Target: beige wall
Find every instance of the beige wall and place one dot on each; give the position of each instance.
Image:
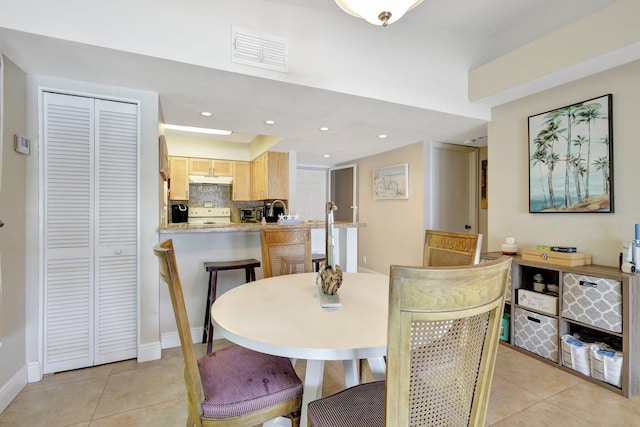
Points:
(13, 374)
(599, 234)
(393, 224)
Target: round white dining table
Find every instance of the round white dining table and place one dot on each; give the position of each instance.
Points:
(284, 316)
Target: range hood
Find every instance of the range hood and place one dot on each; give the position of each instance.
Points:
(205, 179)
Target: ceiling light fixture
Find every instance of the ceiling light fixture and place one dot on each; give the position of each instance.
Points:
(323, 129)
(199, 130)
(474, 140)
(206, 114)
(378, 12)
(382, 136)
(269, 122)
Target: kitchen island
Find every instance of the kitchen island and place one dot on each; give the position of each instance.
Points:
(197, 244)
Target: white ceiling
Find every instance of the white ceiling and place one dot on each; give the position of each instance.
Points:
(241, 101)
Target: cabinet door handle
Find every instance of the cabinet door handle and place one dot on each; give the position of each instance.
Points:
(588, 284)
(533, 319)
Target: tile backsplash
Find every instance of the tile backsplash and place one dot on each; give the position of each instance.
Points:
(219, 196)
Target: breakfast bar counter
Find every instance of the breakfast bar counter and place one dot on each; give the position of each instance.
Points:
(196, 244)
(184, 227)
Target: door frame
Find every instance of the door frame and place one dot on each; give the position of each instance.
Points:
(430, 180)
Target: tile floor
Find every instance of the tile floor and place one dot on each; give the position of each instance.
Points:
(526, 392)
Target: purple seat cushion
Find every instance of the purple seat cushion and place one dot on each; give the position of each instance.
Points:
(237, 380)
(358, 406)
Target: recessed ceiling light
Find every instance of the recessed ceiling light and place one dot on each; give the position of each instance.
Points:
(382, 136)
(326, 155)
(198, 130)
(269, 122)
(324, 128)
(206, 114)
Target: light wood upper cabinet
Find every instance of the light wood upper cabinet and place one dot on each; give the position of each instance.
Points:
(222, 167)
(241, 183)
(270, 176)
(178, 178)
(210, 167)
(200, 166)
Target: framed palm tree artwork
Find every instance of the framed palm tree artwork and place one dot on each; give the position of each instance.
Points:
(571, 158)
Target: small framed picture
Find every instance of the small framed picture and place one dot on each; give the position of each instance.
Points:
(22, 144)
(391, 182)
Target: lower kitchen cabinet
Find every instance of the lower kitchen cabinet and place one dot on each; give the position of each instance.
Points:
(586, 321)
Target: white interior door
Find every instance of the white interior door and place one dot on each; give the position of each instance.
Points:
(455, 206)
(116, 274)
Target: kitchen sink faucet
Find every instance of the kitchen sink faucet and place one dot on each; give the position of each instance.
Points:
(274, 203)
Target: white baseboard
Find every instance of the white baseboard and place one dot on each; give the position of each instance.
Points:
(34, 370)
(171, 339)
(10, 390)
(147, 352)
(364, 270)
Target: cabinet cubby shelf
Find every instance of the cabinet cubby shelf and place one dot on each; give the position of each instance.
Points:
(615, 317)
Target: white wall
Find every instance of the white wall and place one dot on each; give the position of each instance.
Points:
(13, 372)
(322, 41)
(599, 234)
(394, 233)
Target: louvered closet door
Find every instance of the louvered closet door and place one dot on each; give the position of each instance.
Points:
(68, 235)
(117, 231)
(90, 231)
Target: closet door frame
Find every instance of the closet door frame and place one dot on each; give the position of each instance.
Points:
(42, 210)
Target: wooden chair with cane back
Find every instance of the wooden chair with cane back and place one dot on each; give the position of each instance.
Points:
(286, 250)
(235, 386)
(443, 333)
(446, 248)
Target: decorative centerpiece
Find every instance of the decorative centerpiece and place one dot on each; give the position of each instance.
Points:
(329, 276)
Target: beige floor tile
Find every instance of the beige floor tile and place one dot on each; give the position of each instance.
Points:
(170, 413)
(141, 387)
(58, 405)
(70, 376)
(543, 414)
(525, 392)
(507, 398)
(537, 377)
(598, 406)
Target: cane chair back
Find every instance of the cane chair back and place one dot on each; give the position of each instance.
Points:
(446, 248)
(286, 250)
(443, 333)
(219, 386)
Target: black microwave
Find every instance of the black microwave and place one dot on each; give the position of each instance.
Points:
(251, 214)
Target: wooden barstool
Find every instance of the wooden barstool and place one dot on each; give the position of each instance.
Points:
(316, 259)
(249, 266)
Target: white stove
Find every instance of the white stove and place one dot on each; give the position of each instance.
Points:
(209, 216)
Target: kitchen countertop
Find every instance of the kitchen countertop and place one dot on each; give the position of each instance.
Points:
(234, 227)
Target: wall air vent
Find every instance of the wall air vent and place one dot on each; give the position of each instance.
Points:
(259, 50)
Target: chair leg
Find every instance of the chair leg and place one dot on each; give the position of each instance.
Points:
(211, 299)
(207, 312)
(295, 418)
